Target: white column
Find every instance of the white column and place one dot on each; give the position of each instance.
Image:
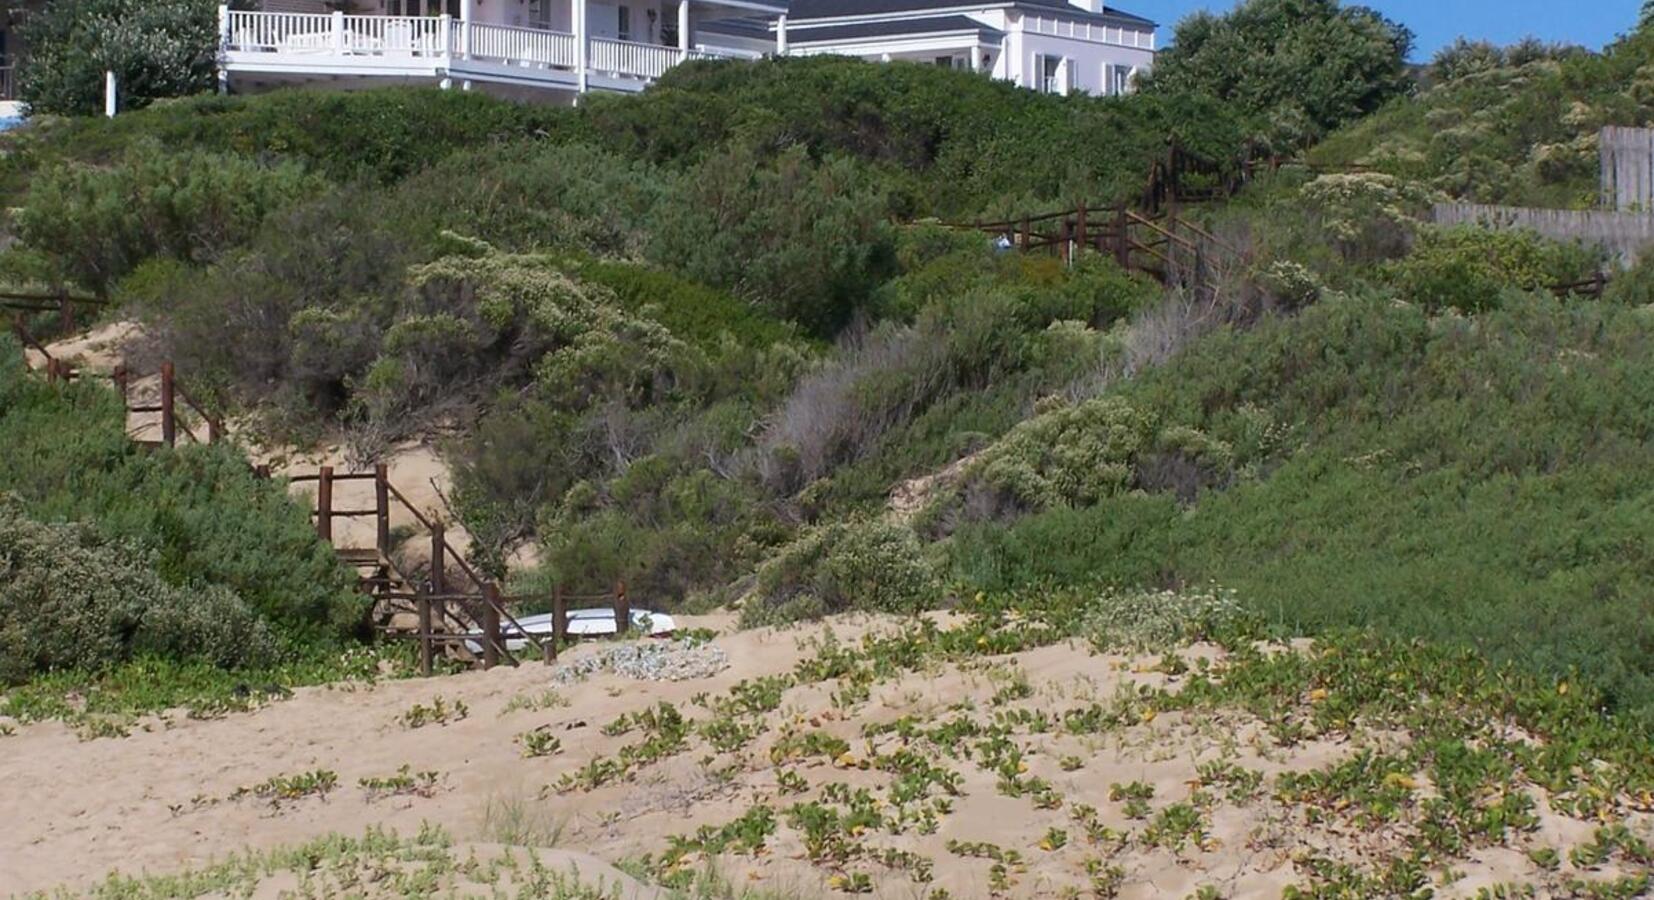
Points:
(582, 48)
(445, 34)
(683, 26)
(465, 28)
(109, 99)
(976, 58)
(338, 32)
(781, 35)
(223, 48)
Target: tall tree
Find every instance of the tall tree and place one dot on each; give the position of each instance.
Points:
(1299, 67)
(156, 48)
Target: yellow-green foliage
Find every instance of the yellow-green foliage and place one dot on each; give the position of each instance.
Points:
(1074, 455)
(870, 564)
(1467, 268)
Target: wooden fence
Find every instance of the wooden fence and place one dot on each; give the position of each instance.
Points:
(1625, 235)
(1627, 168)
(454, 606)
(1165, 246)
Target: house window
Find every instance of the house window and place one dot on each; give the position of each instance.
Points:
(625, 22)
(1118, 80)
(1051, 74)
(394, 7)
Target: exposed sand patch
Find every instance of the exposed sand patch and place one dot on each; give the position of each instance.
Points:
(160, 799)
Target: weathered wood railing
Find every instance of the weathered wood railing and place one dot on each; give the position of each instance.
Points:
(454, 606)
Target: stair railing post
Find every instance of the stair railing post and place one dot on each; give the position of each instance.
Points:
(559, 619)
(1027, 233)
(439, 575)
(1122, 238)
(1079, 227)
(492, 640)
(426, 635)
(169, 413)
(324, 504)
(382, 506)
(623, 610)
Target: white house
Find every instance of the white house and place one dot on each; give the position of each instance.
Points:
(1053, 46)
(556, 49)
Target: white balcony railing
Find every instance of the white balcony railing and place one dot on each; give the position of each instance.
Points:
(303, 40)
(520, 46)
(630, 58)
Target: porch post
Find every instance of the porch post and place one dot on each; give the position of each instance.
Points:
(582, 46)
(683, 27)
(976, 58)
(465, 28)
(224, 39)
(338, 31)
(781, 35)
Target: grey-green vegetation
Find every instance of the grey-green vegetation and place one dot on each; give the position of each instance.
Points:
(694, 340)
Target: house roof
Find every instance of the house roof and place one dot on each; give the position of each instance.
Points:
(811, 34)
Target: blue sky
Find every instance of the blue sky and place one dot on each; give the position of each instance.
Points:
(1437, 22)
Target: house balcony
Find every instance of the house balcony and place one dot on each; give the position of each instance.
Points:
(362, 50)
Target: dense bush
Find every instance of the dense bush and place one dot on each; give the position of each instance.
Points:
(808, 242)
(865, 565)
(1468, 269)
(1480, 480)
(1299, 67)
(71, 598)
(204, 520)
(1515, 126)
(191, 206)
(156, 48)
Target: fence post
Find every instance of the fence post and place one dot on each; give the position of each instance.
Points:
(120, 376)
(382, 506)
(426, 635)
(559, 619)
(439, 575)
(169, 413)
(213, 428)
(66, 313)
(1026, 233)
(1122, 238)
(1079, 227)
(623, 610)
(324, 504)
(1062, 240)
(262, 471)
(491, 637)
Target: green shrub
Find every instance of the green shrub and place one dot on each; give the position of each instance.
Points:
(868, 565)
(1468, 268)
(206, 522)
(102, 223)
(807, 241)
(1469, 480)
(1139, 621)
(71, 598)
(156, 48)
(1074, 455)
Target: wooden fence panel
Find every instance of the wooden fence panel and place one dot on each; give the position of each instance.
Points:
(1627, 168)
(1625, 235)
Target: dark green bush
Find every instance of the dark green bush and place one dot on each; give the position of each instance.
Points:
(103, 222)
(156, 48)
(71, 598)
(1468, 269)
(199, 513)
